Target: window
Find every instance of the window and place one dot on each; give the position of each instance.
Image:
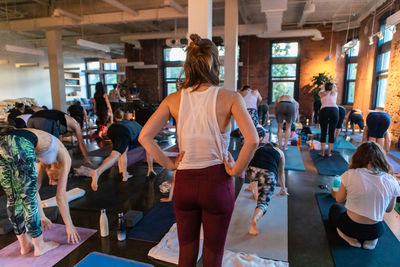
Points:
(382, 64)
(105, 73)
(109, 81)
(350, 75)
(110, 66)
(93, 65)
(284, 70)
(174, 57)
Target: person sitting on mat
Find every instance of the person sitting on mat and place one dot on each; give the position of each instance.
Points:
(339, 125)
(124, 137)
(369, 190)
(267, 165)
(286, 109)
(328, 116)
(354, 117)
(378, 123)
(21, 179)
(56, 122)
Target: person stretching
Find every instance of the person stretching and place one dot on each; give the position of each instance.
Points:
(56, 122)
(252, 98)
(377, 129)
(267, 165)
(369, 190)
(328, 116)
(286, 110)
(339, 125)
(21, 179)
(124, 137)
(355, 117)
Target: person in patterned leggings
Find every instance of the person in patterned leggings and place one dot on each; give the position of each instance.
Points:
(267, 165)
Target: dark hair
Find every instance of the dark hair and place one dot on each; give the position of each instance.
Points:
(201, 65)
(328, 86)
(19, 105)
(245, 87)
(100, 89)
(119, 114)
(370, 154)
(45, 107)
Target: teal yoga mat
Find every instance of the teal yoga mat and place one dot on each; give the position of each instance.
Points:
(396, 155)
(334, 165)
(293, 158)
(104, 260)
(341, 143)
(386, 252)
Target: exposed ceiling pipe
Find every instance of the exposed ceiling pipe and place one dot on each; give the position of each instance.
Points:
(309, 9)
(314, 33)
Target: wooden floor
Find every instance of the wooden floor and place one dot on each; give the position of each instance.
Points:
(308, 245)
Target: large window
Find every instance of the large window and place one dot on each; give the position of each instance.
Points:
(107, 73)
(382, 64)
(284, 70)
(350, 75)
(174, 57)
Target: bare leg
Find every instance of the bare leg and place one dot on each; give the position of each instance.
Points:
(329, 152)
(353, 129)
(41, 247)
(352, 241)
(25, 242)
(381, 142)
(322, 150)
(280, 126)
(337, 132)
(106, 164)
(120, 164)
(124, 165)
(370, 244)
(372, 139)
(258, 213)
(287, 135)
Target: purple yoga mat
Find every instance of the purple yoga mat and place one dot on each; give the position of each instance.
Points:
(395, 165)
(11, 256)
(134, 155)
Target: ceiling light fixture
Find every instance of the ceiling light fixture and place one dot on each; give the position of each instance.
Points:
(93, 45)
(28, 64)
(121, 6)
(58, 12)
(4, 61)
(24, 50)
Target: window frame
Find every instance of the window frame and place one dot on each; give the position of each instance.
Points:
(284, 60)
(346, 87)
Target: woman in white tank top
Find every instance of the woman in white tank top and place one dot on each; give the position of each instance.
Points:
(204, 191)
(252, 98)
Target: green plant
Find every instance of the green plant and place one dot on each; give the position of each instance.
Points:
(317, 81)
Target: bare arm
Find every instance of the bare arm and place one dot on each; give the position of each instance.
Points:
(85, 120)
(109, 108)
(391, 205)
(259, 98)
(74, 126)
(149, 160)
(341, 194)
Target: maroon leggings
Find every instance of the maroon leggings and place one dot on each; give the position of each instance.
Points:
(203, 196)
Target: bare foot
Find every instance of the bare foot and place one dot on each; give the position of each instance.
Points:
(370, 244)
(26, 247)
(322, 155)
(127, 176)
(95, 177)
(253, 228)
(47, 246)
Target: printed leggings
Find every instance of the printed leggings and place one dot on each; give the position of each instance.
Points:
(266, 185)
(18, 177)
(254, 115)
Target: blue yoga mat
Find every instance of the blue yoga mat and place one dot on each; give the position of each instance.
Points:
(293, 158)
(342, 143)
(155, 224)
(103, 260)
(395, 154)
(334, 165)
(386, 252)
(315, 130)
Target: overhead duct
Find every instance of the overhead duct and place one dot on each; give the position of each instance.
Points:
(313, 33)
(309, 9)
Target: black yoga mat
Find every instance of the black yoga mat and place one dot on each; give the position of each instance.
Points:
(386, 252)
(155, 224)
(334, 165)
(101, 152)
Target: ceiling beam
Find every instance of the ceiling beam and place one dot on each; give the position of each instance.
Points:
(121, 6)
(243, 12)
(104, 18)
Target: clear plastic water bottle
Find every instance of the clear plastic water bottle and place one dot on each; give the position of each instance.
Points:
(121, 232)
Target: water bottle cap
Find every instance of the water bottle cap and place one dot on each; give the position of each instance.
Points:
(103, 210)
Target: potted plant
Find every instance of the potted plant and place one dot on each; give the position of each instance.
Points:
(317, 81)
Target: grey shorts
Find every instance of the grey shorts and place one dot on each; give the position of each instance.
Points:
(286, 110)
(50, 126)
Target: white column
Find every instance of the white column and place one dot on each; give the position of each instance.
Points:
(56, 69)
(231, 44)
(200, 18)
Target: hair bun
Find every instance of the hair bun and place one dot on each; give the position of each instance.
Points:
(195, 38)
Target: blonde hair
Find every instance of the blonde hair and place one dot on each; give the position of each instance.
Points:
(118, 114)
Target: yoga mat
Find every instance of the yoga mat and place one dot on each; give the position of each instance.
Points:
(395, 165)
(293, 159)
(315, 130)
(395, 154)
(342, 143)
(103, 260)
(155, 224)
(101, 152)
(386, 252)
(272, 240)
(334, 165)
(134, 155)
(11, 256)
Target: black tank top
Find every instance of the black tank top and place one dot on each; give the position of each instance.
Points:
(266, 157)
(28, 135)
(51, 114)
(101, 105)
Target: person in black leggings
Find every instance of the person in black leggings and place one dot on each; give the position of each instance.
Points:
(355, 117)
(378, 123)
(328, 116)
(339, 125)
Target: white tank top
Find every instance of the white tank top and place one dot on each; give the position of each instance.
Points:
(329, 100)
(250, 100)
(198, 131)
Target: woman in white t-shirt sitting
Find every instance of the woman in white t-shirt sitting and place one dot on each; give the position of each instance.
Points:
(369, 190)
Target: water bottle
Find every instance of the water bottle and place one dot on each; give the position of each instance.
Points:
(104, 231)
(336, 182)
(121, 232)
